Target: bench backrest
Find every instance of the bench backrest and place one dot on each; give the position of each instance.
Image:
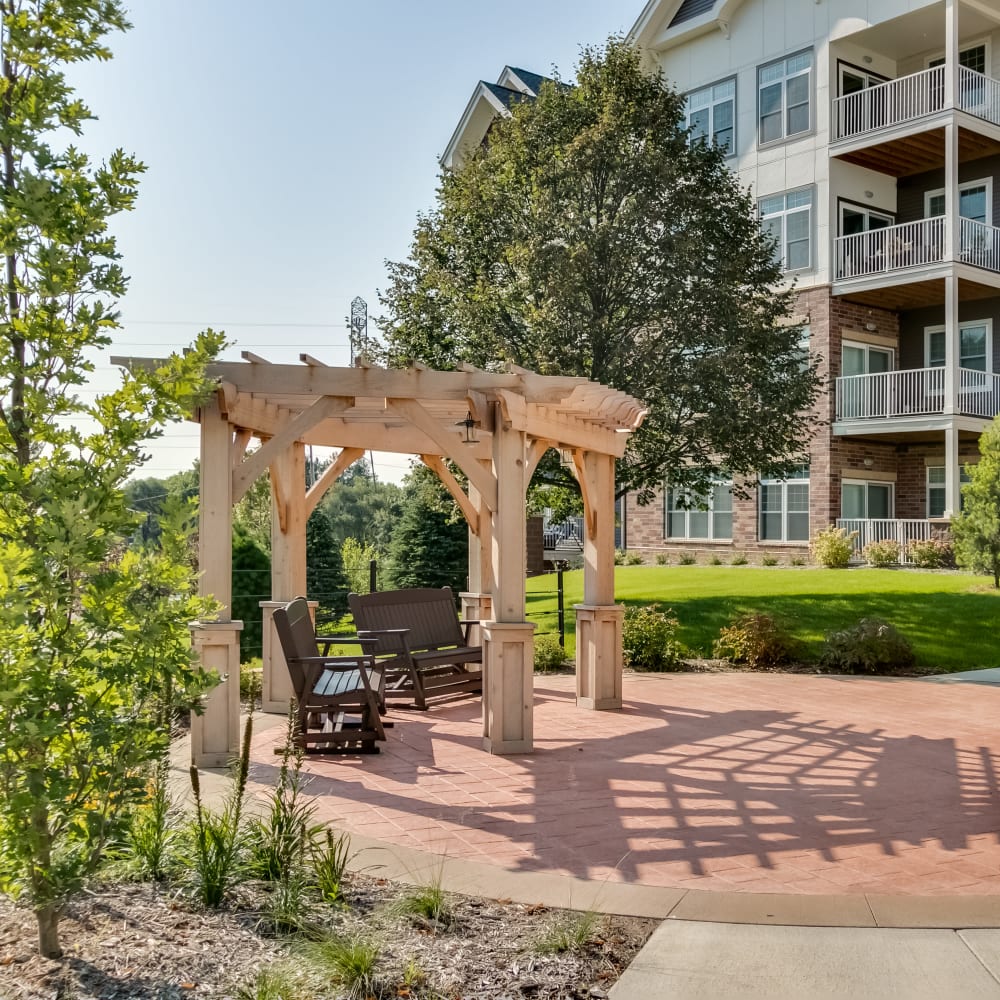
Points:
(294, 626)
(428, 613)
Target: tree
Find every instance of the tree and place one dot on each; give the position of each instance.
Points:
(325, 579)
(976, 530)
(94, 637)
(361, 508)
(592, 237)
(251, 585)
(430, 546)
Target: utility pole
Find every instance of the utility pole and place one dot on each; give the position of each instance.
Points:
(359, 343)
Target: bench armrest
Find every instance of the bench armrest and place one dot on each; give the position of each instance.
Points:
(367, 633)
(469, 621)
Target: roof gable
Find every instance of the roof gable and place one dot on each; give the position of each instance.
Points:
(665, 23)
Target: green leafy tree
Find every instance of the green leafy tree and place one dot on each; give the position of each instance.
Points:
(591, 237)
(430, 546)
(357, 559)
(361, 508)
(325, 579)
(93, 632)
(976, 530)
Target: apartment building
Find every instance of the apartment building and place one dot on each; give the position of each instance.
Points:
(869, 133)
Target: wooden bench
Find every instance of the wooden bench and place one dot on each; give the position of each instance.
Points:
(420, 643)
(330, 690)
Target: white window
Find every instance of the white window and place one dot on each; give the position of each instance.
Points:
(865, 359)
(863, 499)
(784, 98)
(975, 345)
(972, 57)
(936, 489)
(788, 218)
(975, 201)
(705, 516)
(856, 219)
(711, 115)
(854, 79)
(784, 508)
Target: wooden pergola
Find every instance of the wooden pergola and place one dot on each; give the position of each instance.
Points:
(516, 416)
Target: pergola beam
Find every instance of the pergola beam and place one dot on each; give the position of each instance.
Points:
(452, 485)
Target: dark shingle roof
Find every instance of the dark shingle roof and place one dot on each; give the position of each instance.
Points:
(691, 9)
(531, 80)
(505, 94)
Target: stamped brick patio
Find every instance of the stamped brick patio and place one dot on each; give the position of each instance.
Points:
(754, 783)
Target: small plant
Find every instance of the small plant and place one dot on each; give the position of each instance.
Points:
(570, 933)
(648, 639)
(756, 640)
(428, 904)
(714, 560)
(251, 680)
(739, 559)
(882, 554)
(662, 559)
(620, 557)
(769, 560)
(797, 561)
(549, 655)
(833, 547)
(413, 974)
(870, 647)
(273, 982)
(330, 858)
(217, 837)
(348, 961)
(686, 559)
(151, 834)
(932, 553)
(633, 559)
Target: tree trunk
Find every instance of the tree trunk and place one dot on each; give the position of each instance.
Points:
(48, 932)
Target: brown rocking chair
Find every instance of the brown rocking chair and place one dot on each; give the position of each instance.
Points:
(338, 697)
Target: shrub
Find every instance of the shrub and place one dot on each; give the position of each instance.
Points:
(648, 639)
(755, 639)
(620, 557)
(769, 561)
(348, 961)
(870, 647)
(152, 833)
(686, 559)
(833, 547)
(714, 560)
(330, 858)
(882, 554)
(662, 559)
(739, 559)
(633, 559)
(932, 553)
(251, 680)
(797, 561)
(549, 655)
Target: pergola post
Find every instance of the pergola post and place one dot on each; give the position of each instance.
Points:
(215, 733)
(288, 568)
(598, 618)
(508, 647)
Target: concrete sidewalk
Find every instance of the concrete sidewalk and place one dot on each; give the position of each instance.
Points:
(708, 961)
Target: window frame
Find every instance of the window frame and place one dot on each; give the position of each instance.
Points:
(867, 484)
(938, 58)
(866, 210)
(965, 324)
(712, 104)
(786, 76)
(784, 484)
(867, 348)
(963, 479)
(844, 66)
(709, 509)
(983, 182)
(783, 215)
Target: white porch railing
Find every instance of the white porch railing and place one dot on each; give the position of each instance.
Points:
(903, 531)
(980, 245)
(891, 249)
(892, 103)
(979, 95)
(914, 392)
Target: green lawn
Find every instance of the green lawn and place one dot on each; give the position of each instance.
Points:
(950, 618)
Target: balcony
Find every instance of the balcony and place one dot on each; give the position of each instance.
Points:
(915, 392)
(910, 98)
(902, 531)
(913, 245)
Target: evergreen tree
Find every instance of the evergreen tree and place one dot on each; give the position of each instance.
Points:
(326, 581)
(976, 530)
(251, 585)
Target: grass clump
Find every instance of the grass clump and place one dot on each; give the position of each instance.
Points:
(274, 982)
(714, 560)
(633, 559)
(330, 858)
(662, 559)
(427, 904)
(152, 835)
(548, 654)
(833, 547)
(349, 961)
(569, 933)
(754, 639)
(769, 560)
(649, 639)
(739, 559)
(872, 646)
(686, 559)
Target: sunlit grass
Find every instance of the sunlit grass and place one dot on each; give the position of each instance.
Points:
(951, 618)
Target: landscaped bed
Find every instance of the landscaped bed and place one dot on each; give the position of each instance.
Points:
(948, 617)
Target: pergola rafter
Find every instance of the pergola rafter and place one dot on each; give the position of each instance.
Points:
(518, 416)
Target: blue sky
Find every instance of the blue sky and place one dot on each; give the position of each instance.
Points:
(289, 148)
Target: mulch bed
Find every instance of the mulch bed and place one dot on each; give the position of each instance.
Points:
(131, 940)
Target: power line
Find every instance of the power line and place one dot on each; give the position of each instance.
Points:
(277, 326)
